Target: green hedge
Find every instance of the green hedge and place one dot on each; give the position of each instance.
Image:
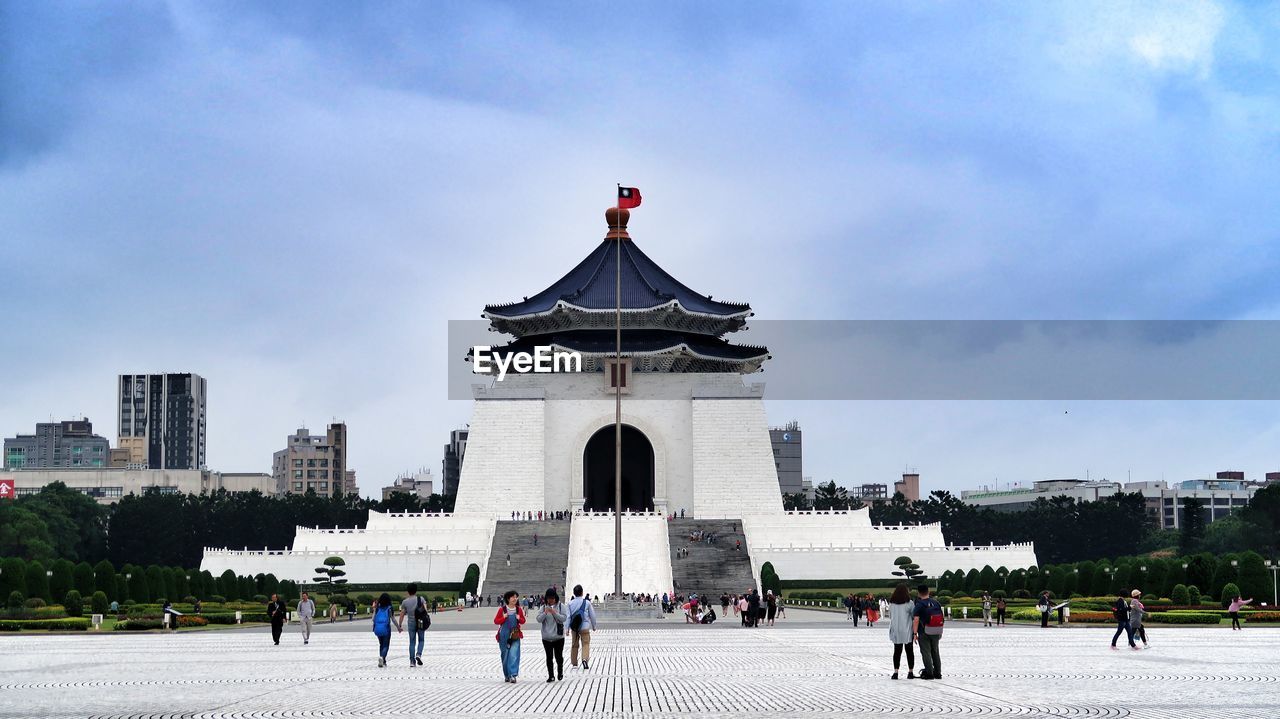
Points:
(145, 623)
(1183, 618)
(70, 624)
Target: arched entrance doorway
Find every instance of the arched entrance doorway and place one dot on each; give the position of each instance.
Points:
(598, 471)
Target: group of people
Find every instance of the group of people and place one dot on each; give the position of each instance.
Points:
(912, 622)
(856, 607)
(539, 516)
(755, 610)
(578, 619)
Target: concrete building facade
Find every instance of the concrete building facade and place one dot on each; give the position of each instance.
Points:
(315, 463)
(107, 484)
(419, 484)
(70, 443)
(162, 420)
(788, 457)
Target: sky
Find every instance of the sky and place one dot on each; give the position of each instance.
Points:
(292, 199)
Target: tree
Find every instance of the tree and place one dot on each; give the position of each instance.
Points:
(62, 580)
(23, 533)
(37, 582)
(908, 570)
(139, 588)
(796, 502)
(769, 580)
(228, 587)
(1223, 574)
(1229, 591)
(829, 496)
(1224, 536)
(73, 603)
(1193, 595)
(13, 575)
(98, 602)
(121, 592)
(83, 576)
(471, 579)
(155, 584)
(330, 577)
(1100, 582)
(1262, 519)
(104, 578)
(987, 578)
(1254, 580)
(1192, 525)
(1200, 570)
(971, 582)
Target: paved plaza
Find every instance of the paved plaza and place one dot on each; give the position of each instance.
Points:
(815, 665)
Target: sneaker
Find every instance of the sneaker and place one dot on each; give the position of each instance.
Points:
(894, 675)
(925, 675)
(1113, 647)
(560, 676)
(911, 675)
(418, 659)
(382, 662)
(551, 680)
(584, 664)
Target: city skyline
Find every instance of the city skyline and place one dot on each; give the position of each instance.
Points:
(279, 200)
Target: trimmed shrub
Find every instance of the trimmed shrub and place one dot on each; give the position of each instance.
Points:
(98, 602)
(1183, 618)
(73, 604)
(34, 603)
(218, 599)
(75, 624)
(1229, 591)
(16, 601)
(1021, 594)
(1193, 595)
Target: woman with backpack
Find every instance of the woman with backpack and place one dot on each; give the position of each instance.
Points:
(382, 626)
(509, 619)
(552, 617)
(1120, 610)
(900, 613)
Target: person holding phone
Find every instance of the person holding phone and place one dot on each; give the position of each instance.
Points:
(552, 617)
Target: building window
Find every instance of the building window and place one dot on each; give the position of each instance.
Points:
(297, 486)
(324, 474)
(324, 463)
(297, 474)
(297, 463)
(324, 486)
(311, 463)
(311, 485)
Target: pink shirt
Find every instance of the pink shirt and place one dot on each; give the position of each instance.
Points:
(1237, 603)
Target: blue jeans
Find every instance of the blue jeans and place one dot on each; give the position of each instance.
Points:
(384, 644)
(1122, 627)
(417, 638)
(510, 659)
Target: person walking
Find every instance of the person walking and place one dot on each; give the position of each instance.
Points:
(382, 626)
(1136, 611)
(771, 607)
(306, 615)
(277, 612)
(986, 609)
(414, 609)
(582, 621)
(552, 617)
(509, 619)
(873, 611)
(901, 610)
(857, 609)
(753, 608)
(1233, 611)
(926, 629)
(1001, 607)
(1120, 610)
(724, 603)
(848, 606)
(782, 607)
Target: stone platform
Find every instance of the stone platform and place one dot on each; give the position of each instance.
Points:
(810, 665)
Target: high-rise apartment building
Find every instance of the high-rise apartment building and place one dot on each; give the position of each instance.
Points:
(316, 463)
(162, 420)
(58, 444)
(453, 454)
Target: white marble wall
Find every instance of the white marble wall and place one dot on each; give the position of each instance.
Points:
(382, 566)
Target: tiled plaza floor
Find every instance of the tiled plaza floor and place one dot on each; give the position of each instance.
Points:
(817, 668)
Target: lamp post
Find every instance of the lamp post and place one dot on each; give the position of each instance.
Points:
(1275, 596)
(1004, 577)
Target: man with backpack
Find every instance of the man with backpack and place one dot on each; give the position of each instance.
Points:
(582, 621)
(415, 608)
(926, 630)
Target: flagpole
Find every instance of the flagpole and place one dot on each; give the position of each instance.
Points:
(617, 406)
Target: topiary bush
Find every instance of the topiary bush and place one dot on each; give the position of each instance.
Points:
(98, 603)
(189, 599)
(218, 599)
(73, 604)
(1021, 594)
(1229, 591)
(34, 603)
(1193, 595)
(16, 601)
(260, 598)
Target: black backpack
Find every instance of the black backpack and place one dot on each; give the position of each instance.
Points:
(575, 622)
(421, 616)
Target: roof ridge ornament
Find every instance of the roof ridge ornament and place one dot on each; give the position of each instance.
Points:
(617, 219)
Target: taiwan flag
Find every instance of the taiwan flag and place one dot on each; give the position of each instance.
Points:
(628, 197)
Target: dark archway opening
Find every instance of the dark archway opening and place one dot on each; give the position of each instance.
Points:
(637, 471)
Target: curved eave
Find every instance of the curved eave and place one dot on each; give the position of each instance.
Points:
(491, 312)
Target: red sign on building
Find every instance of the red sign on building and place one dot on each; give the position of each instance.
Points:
(6, 488)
